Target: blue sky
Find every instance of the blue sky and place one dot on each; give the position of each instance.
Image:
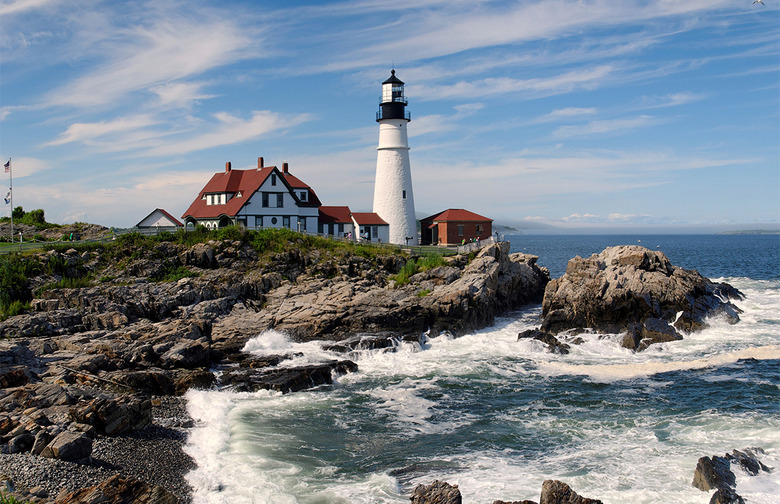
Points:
(590, 114)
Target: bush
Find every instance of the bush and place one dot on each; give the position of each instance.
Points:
(14, 292)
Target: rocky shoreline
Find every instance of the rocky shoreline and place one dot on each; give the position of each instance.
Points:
(91, 377)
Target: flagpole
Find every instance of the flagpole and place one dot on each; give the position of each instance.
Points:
(11, 174)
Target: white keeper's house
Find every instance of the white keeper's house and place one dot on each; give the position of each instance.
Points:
(265, 197)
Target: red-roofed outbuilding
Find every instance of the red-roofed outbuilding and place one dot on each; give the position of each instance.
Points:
(454, 227)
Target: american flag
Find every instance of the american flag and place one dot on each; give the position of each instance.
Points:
(7, 166)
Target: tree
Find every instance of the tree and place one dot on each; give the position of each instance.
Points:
(18, 213)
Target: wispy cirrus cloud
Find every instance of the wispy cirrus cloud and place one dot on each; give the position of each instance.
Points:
(152, 57)
(607, 126)
(229, 130)
(17, 6)
(538, 86)
(89, 132)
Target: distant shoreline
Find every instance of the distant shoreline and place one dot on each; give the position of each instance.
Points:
(753, 232)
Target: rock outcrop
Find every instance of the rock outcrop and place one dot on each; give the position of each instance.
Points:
(714, 473)
(83, 362)
(636, 291)
(553, 492)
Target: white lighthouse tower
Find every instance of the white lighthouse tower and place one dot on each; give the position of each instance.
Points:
(393, 195)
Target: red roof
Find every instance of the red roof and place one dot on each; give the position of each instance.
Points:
(456, 215)
(368, 219)
(335, 214)
(297, 183)
(245, 182)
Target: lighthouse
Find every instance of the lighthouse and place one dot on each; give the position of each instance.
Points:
(393, 195)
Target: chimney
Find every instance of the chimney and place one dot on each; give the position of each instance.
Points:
(227, 167)
(285, 167)
(260, 163)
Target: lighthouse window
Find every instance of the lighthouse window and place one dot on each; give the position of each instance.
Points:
(404, 194)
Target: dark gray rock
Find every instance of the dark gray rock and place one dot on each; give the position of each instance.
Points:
(634, 290)
(113, 416)
(70, 446)
(713, 473)
(558, 492)
(438, 492)
(726, 496)
(285, 380)
(553, 344)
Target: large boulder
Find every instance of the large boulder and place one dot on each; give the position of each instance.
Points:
(70, 446)
(438, 492)
(113, 416)
(558, 492)
(637, 291)
(118, 490)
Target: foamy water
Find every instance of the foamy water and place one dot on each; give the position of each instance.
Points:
(498, 416)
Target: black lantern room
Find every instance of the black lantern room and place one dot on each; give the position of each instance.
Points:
(392, 105)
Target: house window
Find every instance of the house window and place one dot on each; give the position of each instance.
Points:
(479, 229)
(303, 195)
(404, 194)
(286, 221)
(341, 228)
(273, 179)
(279, 200)
(460, 229)
(302, 224)
(265, 200)
(274, 220)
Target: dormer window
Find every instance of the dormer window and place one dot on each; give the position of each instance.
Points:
(304, 195)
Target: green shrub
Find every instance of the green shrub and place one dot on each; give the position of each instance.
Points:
(423, 292)
(431, 261)
(409, 269)
(173, 274)
(10, 499)
(15, 271)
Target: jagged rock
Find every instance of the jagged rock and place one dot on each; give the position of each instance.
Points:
(118, 490)
(21, 443)
(713, 473)
(438, 492)
(557, 492)
(14, 378)
(70, 446)
(286, 379)
(553, 344)
(514, 502)
(748, 460)
(113, 416)
(635, 290)
(42, 439)
(726, 496)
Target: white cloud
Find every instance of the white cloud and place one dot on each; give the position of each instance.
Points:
(587, 78)
(17, 6)
(151, 56)
(87, 132)
(180, 94)
(606, 126)
(26, 166)
(230, 130)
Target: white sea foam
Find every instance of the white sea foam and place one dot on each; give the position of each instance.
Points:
(404, 409)
(608, 372)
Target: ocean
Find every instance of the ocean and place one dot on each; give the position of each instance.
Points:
(497, 416)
